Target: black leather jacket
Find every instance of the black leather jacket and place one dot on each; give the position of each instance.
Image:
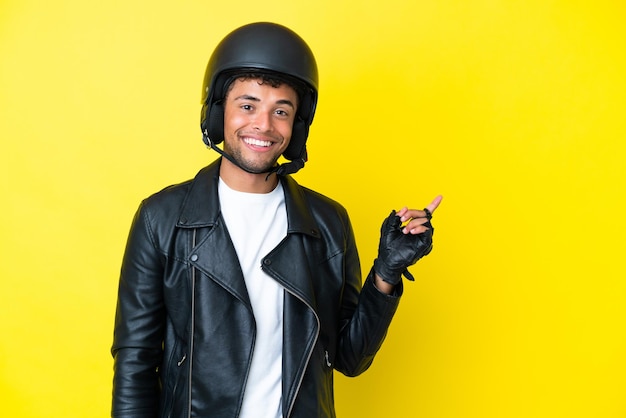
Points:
(184, 328)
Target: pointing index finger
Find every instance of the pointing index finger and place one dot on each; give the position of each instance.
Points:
(434, 204)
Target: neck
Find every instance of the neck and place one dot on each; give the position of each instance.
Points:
(242, 181)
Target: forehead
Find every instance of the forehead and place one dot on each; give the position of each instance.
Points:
(261, 89)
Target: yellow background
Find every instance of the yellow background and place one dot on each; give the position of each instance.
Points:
(513, 110)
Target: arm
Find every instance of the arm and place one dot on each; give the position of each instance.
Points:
(365, 326)
(138, 330)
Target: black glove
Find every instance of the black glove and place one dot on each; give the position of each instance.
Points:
(398, 251)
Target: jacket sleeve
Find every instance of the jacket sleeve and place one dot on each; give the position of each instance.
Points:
(366, 314)
(139, 318)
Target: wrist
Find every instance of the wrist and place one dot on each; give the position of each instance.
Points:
(386, 274)
(382, 285)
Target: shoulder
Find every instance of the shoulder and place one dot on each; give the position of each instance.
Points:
(315, 201)
(168, 200)
(318, 201)
(328, 214)
(171, 201)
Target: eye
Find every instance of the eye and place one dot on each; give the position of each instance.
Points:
(246, 107)
(281, 112)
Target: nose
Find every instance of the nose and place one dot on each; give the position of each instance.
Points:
(263, 121)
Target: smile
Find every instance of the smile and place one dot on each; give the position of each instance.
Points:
(257, 142)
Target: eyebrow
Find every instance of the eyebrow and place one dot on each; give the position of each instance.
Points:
(256, 99)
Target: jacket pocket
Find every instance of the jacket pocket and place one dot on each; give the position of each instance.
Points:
(327, 354)
(173, 380)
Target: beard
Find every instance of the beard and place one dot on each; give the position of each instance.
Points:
(254, 167)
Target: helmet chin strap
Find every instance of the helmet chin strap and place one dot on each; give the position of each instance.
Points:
(288, 168)
(280, 169)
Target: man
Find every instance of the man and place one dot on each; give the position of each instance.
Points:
(240, 290)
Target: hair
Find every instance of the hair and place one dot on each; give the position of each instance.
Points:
(273, 80)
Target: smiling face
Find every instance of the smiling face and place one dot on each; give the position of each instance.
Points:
(258, 121)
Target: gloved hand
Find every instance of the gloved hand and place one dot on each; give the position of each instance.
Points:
(397, 251)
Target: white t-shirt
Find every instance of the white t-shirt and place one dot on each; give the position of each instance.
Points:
(257, 223)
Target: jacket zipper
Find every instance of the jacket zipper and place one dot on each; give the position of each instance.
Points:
(193, 323)
(317, 334)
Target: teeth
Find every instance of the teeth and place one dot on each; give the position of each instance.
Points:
(257, 142)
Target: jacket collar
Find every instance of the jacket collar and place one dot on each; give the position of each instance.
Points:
(201, 206)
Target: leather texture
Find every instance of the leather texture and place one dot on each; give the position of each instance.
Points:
(398, 251)
(184, 328)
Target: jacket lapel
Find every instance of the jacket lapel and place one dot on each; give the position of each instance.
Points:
(216, 257)
(213, 253)
(290, 258)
